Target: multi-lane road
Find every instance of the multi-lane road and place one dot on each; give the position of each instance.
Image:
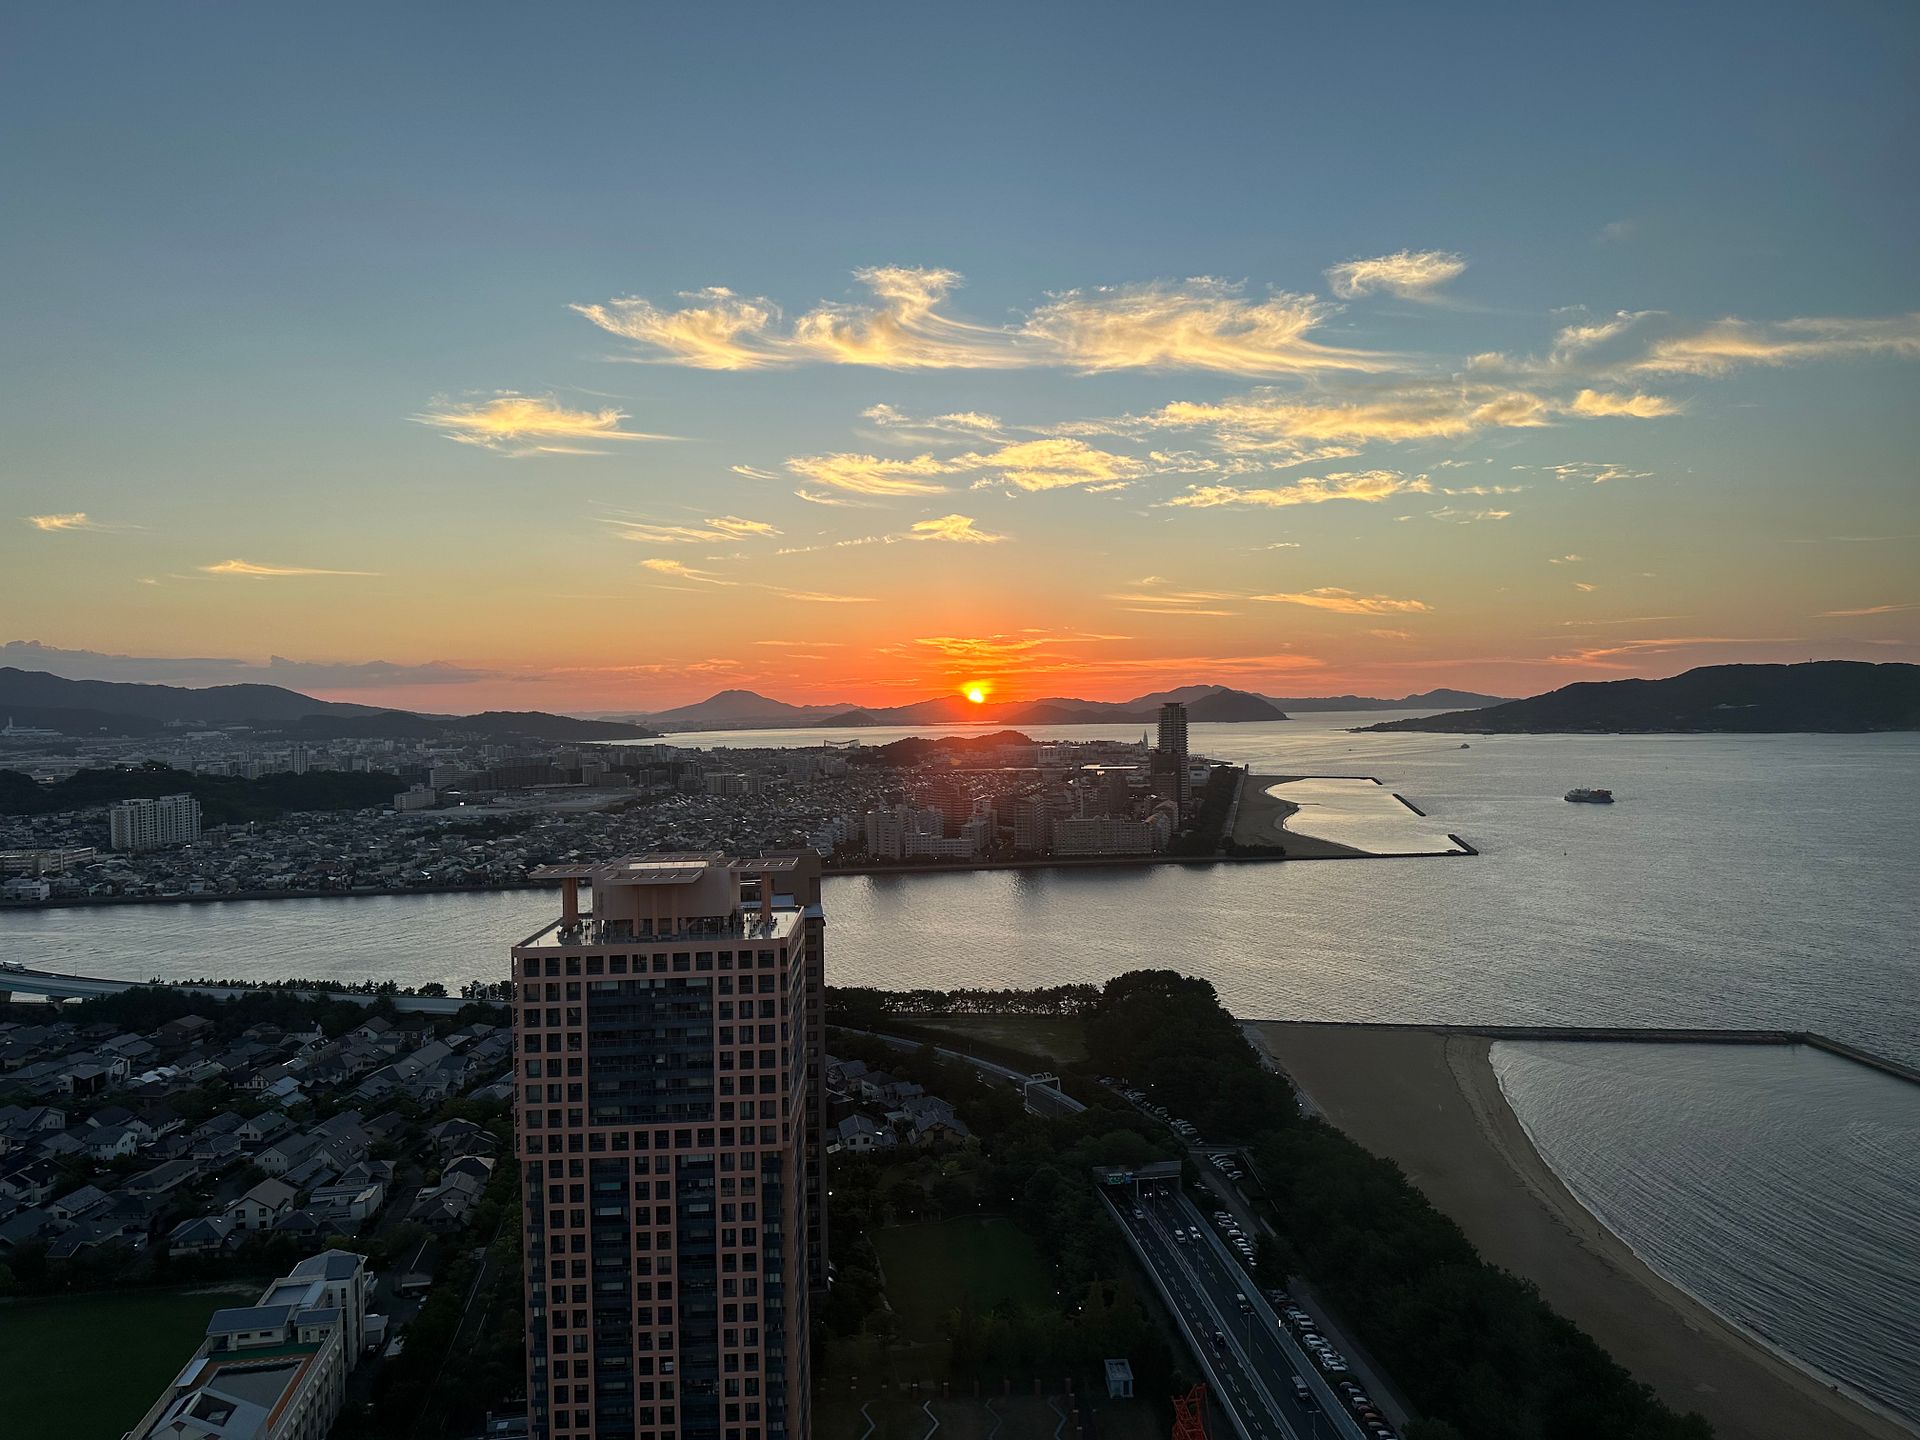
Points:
(1250, 1359)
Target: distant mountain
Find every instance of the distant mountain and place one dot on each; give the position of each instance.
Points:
(1428, 700)
(1824, 695)
(214, 705)
(739, 710)
(93, 707)
(1209, 704)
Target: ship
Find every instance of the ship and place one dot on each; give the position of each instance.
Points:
(1581, 795)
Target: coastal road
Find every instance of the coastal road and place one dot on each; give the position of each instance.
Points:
(1253, 1365)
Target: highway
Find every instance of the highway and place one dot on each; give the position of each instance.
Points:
(1252, 1377)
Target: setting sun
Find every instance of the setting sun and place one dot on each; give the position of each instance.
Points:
(976, 693)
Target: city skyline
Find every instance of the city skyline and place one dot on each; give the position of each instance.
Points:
(1099, 368)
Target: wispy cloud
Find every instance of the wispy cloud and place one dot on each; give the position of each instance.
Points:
(1635, 406)
(1369, 486)
(1457, 516)
(1596, 472)
(1623, 654)
(713, 530)
(1044, 464)
(1198, 324)
(1411, 274)
(1865, 610)
(680, 571)
(265, 572)
(518, 425)
(873, 475)
(961, 529)
(74, 520)
(1269, 420)
(1728, 343)
(1052, 464)
(1348, 602)
(1154, 601)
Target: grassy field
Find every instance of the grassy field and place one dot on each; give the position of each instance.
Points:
(930, 1267)
(86, 1367)
(1053, 1038)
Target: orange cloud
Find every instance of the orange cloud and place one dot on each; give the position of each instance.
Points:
(1348, 602)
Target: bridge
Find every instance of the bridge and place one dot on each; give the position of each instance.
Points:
(50, 985)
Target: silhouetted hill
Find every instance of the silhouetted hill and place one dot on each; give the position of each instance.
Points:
(1209, 703)
(213, 705)
(1427, 700)
(92, 707)
(1822, 695)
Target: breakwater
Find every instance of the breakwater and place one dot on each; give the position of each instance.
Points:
(1648, 1035)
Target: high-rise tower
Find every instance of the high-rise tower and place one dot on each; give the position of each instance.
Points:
(1173, 746)
(668, 1049)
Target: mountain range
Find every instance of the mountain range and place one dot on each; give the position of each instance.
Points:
(747, 710)
(1820, 695)
(34, 699)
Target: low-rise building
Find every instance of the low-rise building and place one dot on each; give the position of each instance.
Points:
(274, 1370)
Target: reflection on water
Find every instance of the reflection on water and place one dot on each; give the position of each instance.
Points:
(1361, 814)
(1779, 1184)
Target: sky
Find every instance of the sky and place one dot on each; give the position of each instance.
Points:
(596, 358)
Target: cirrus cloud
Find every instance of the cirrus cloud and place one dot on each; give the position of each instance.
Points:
(1369, 486)
(1202, 323)
(1410, 274)
(253, 571)
(517, 425)
(959, 529)
(1347, 602)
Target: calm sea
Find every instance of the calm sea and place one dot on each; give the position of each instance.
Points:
(1739, 881)
(1777, 1184)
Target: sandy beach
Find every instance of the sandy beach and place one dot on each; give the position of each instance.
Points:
(1262, 820)
(1430, 1101)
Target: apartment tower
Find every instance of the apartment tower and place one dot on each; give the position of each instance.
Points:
(668, 1047)
(1173, 747)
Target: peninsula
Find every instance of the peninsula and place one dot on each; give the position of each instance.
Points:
(1837, 696)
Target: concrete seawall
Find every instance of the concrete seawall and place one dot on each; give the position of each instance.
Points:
(1649, 1035)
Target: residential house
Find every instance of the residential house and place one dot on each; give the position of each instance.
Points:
(263, 1204)
(264, 1128)
(202, 1235)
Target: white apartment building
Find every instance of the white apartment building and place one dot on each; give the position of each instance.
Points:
(154, 824)
(274, 1370)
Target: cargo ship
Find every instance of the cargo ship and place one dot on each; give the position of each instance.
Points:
(1581, 795)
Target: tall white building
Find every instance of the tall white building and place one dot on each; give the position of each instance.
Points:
(154, 824)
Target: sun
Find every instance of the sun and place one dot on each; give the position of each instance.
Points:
(976, 693)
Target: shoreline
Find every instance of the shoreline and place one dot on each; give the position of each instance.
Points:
(955, 867)
(1428, 1099)
(1478, 1072)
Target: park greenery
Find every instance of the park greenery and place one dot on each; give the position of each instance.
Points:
(1475, 1350)
(1034, 1172)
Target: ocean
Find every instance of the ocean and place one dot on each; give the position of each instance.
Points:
(1765, 881)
